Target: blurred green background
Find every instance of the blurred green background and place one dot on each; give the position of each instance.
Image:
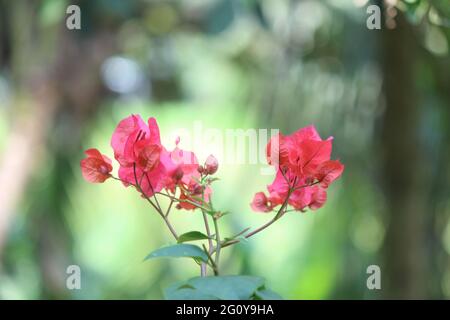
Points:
(383, 94)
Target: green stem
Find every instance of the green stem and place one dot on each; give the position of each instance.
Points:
(169, 207)
(208, 232)
(278, 215)
(165, 195)
(211, 261)
(184, 200)
(218, 247)
(166, 220)
(153, 191)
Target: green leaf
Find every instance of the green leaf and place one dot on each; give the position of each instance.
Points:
(211, 180)
(192, 236)
(220, 214)
(228, 287)
(189, 294)
(242, 239)
(220, 287)
(239, 235)
(179, 251)
(182, 291)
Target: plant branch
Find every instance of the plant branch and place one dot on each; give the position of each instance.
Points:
(218, 246)
(183, 200)
(208, 232)
(170, 206)
(171, 229)
(153, 191)
(278, 215)
(213, 264)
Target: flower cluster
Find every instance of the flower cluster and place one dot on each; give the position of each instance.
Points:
(304, 172)
(302, 161)
(147, 165)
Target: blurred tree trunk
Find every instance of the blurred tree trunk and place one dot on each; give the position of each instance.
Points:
(405, 259)
(55, 93)
(33, 110)
(441, 183)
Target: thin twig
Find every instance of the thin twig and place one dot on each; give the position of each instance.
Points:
(183, 200)
(213, 264)
(218, 246)
(172, 230)
(153, 190)
(170, 206)
(278, 215)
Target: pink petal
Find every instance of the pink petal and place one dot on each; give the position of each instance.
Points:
(329, 171)
(260, 203)
(211, 164)
(279, 185)
(277, 150)
(306, 133)
(318, 198)
(96, 167)
(149, 182)
(146, 155)
(300, 198)
(309, 154)
(154, 131)
(124, 137)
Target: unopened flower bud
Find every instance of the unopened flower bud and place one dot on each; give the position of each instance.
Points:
(198, 189)
(200, 169)
(178, 174)
(211, 164)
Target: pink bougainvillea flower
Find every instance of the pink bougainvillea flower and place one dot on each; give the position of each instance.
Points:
(299, 199)
(137, 147)
(211, 165)
(328, 171)
(146, 155)
(181, 167)
(318, 197)
(304, 171)
(148, 165)
(260, 203)
(306, 155)
(128, 132)
(181, 170)
(279, 188)
(282, 150)
(195, 196)
(96, 167)
(149, 182)
(277, 150)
